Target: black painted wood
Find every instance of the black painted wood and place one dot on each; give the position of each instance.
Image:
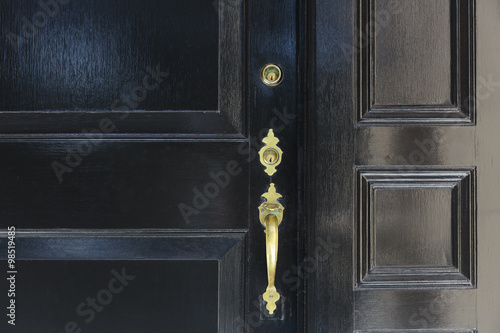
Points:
(66, 65)
(103, 184)
(400, 80)
(386, 180)
(124, 245)
(177, 273)
(395, 192)
(153, 294)
(75, 62)
(275, 38)
(433, 212)
(129, 132)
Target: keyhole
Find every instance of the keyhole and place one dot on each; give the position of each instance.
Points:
(271, 75)
(271, 156)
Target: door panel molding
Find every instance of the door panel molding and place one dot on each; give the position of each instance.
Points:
(228, 119)
(125, 185)
(228, 248)
(432, 204)
(452, 98)
(147, 244)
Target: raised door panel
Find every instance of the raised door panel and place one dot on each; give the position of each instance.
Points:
(171, 184)
(405, 191)
(416, 227)
(163, 80)
(148, 66)
(123, 132)
(415, 62)
(126, 282)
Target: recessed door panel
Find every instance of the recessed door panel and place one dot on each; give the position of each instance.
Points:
(408, 194)
(149, 66)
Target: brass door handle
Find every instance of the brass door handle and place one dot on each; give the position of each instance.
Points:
(271, 215)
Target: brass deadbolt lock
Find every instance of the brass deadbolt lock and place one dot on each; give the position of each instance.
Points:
(271, 75)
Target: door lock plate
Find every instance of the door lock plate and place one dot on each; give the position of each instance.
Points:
(270, 154)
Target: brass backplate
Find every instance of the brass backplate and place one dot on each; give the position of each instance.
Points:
(270, 154)
(271, 206)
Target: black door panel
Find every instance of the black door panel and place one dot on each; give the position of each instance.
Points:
(129, 136)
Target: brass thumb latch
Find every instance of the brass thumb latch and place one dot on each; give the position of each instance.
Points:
(271, 215)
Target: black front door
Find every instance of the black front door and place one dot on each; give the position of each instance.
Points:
(134, 197)
(130, 178)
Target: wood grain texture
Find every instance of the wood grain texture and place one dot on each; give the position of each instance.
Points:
(122, 184)
(173, 274)
(338, 146)
(112, 115)
(152, 244)
(75, 62)
(84, 61)
(488, 160)
(405, 71)
(170, 290)
(273, 39)
(416, 227)
(331, 161)
(232, 288)
(414, 62)
(131, 166)
(444, 310)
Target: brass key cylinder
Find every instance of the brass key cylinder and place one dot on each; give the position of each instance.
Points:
(271, 75)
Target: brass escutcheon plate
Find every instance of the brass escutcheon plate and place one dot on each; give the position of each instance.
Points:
(270, 154)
